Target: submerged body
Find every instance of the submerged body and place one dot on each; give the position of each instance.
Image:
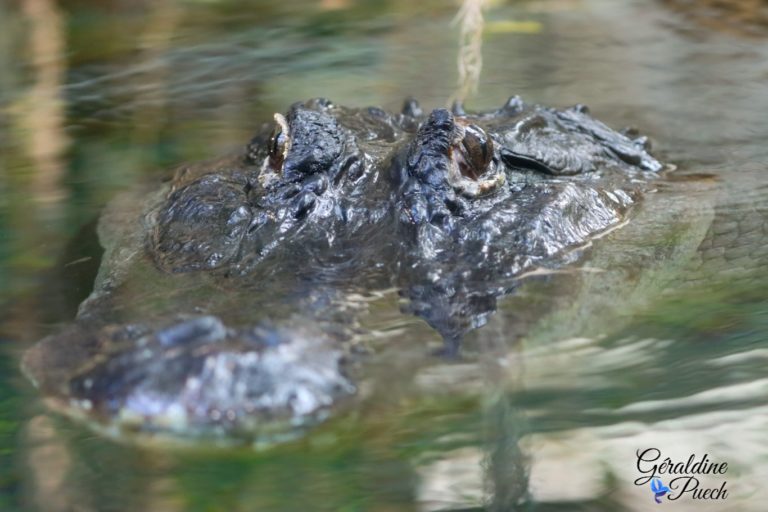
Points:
(222, 304)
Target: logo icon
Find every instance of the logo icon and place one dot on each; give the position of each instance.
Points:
(658, 488)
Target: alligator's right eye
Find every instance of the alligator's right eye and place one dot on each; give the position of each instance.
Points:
(276, 147)
(279, 142)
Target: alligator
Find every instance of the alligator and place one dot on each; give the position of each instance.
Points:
(227, 301)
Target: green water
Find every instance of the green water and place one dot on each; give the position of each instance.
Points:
(666, 346)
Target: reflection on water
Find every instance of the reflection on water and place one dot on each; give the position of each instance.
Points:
(660, 339)
(747, 18)
(40, 113)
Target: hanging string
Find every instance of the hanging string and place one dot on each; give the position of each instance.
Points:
(470, 58)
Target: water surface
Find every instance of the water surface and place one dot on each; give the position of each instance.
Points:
(665, 345)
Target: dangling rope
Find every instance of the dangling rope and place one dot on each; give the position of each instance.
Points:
(470, 60)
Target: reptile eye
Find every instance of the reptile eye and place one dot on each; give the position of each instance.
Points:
(475, 152)
(276, 142)
(279, 142)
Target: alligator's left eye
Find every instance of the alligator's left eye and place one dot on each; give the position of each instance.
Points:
(475, 152)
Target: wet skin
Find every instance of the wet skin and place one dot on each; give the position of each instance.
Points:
(221, 307)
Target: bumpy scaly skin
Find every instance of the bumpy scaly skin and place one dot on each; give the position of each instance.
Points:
(451, 207)
(329, 186)
(556, 179)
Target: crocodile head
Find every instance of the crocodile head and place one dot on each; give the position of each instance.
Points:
(227, 304)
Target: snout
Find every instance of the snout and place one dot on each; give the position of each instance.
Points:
(198, 378)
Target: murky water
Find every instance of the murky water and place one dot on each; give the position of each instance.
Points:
(664, 344)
